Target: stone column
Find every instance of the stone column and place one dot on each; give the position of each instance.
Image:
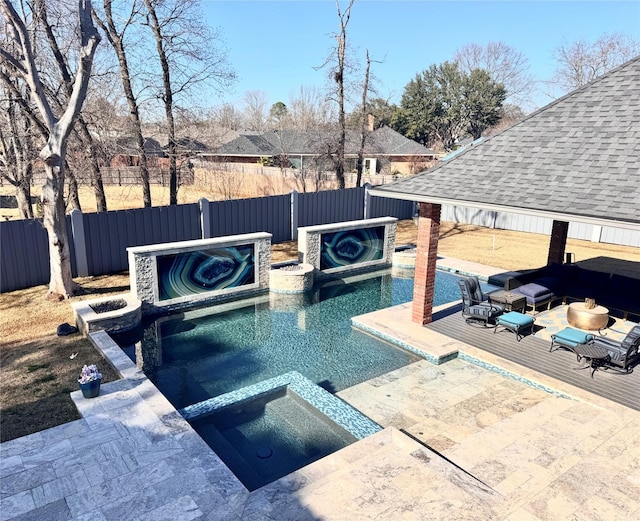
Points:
(425, 272)
(559, 232)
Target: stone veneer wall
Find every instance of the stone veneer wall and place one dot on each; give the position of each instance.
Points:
(310, 249)
(143, 272)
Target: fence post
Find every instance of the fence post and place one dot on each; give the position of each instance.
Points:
(205, 218)
(367, 201)
(79, 242)
(294, 215)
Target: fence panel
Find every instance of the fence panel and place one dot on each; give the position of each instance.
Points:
(109, 234)
(330, 206)
(261, 214)
(385, 207)
(24, 254)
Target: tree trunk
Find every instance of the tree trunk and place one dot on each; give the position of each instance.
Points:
(98, 187)
(116, 42)
(363, 124)
(167, 96)
(61, 284)
(23, 198)
(73, 200)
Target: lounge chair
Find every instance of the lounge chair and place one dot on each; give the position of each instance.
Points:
(476, 308)
(622, 355)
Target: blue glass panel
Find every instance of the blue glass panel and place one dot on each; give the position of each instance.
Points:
(348, 247)
(189, 273)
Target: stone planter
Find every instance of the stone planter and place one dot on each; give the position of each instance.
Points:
(111, 314)
(294, 278)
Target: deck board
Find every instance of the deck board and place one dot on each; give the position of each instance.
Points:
(533, 353)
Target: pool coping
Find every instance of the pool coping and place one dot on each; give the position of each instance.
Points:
(343, 414)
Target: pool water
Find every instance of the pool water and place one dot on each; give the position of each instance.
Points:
(201, 354)
(270, 436)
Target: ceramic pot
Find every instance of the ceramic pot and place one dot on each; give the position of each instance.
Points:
(90, 389)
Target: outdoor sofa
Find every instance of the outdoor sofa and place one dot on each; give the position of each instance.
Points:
(569, 282)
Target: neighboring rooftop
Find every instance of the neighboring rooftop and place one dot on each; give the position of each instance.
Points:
(383, 141)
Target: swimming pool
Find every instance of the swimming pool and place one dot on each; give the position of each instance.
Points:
(204, 353)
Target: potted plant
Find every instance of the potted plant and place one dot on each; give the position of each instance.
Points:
(89, 381)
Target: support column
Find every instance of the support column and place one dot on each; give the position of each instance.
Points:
(559, 232)
(427, 255)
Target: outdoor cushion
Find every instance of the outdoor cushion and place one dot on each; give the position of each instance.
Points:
(569, 337)
(514, 318)
(533, 290)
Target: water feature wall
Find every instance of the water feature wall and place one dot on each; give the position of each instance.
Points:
(173, 276)
(348, 246)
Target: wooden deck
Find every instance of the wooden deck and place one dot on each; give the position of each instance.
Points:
(533, 353)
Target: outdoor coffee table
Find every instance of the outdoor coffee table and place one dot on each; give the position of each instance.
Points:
(509, 300)
(578, 315)
(596, 356)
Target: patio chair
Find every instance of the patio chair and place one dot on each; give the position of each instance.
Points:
(622, 355)
(476, 308)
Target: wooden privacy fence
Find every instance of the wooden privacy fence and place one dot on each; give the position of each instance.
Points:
(99, 241)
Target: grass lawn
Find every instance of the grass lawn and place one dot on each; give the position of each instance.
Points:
(38, 369)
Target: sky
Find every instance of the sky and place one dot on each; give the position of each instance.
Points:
(276, 46)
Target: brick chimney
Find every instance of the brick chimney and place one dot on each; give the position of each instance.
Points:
(372, 120)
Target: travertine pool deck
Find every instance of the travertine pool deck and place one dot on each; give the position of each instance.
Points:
(498, 449)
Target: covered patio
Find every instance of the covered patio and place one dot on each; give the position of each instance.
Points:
(576, 160)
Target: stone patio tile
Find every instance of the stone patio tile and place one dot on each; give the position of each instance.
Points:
(59, 488)
(521, 515)
(597, 509)
(138, 502)
(77, 460)
(56, 511)
(11, 465)
(94, 438)
(26, 479)
(551, 505)
(94, 515)
(64, 431)
(183, 508)
(134, 442)
(512, 482)
(47, 454)
(19, 446)
(109, 469)
(16, 505)
(96, 496)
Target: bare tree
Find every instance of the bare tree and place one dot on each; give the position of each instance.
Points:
(338, 59)
(17, 148)
(363, 123)
(504, 64)
(116, 37)
(188, 56)
(255, 110)
(309, 110)
(581, 62)
(81, 129)
(61, 284)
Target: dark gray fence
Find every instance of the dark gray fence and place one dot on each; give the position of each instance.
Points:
(331, 206)
(24, 249)
(260, 214)
(99, 241)
(109, 234)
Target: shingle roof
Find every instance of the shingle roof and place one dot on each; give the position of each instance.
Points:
(578, 157)
(383, 141)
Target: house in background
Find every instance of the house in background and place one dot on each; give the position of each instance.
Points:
(127, 152)
(385, 151)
